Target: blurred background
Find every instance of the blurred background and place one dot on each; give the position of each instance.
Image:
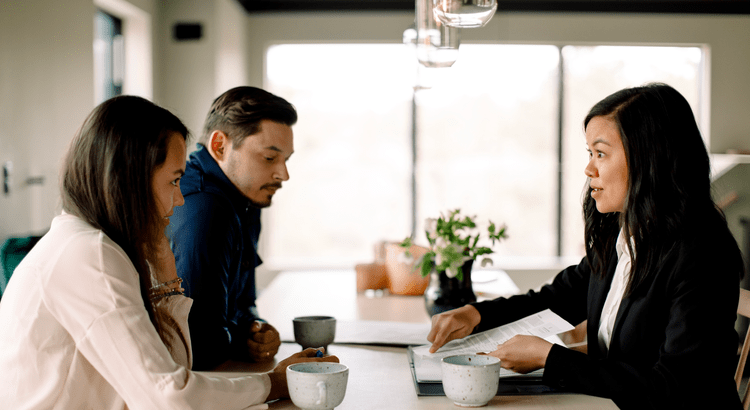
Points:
(380, 144)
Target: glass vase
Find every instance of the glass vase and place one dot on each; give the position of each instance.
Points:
(444, 293)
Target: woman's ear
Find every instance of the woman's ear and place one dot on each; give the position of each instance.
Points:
(217, 144)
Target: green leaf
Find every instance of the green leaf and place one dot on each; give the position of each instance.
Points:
(483, 251)
(426, 267)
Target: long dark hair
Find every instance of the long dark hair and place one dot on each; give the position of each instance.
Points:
(106, 178)
(668, 179)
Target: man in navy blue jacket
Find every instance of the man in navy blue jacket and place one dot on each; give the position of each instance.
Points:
(239, 164)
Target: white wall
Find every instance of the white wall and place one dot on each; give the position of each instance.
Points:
(194, 72)
(46, 90)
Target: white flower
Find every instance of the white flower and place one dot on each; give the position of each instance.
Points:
(451, 272)
(486, 261)
(430, 226)
(438, 258)
(440, 242)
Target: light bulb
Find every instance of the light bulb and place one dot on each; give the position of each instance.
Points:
(437, 43)
(464, 13)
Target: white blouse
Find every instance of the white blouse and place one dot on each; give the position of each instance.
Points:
(76, 335)
(616, 291)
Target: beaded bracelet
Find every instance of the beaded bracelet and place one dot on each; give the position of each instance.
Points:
(155, 293)
(161, 285)
(155, 296)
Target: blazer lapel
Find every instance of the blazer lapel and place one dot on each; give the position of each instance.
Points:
(598, 291)
(624, 306)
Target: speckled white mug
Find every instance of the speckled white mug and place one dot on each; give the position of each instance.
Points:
(470, 380)
(317, 385)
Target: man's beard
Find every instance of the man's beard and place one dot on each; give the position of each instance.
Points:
(267, 203)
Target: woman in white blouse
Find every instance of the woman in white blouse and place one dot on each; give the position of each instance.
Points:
(659, 285)
(94, 316)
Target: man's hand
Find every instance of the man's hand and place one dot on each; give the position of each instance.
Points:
(263, 342)
(279, 387)
(523, 354)
(453, 324)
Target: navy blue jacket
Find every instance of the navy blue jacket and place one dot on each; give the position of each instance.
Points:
(673, 345)
(214, 237)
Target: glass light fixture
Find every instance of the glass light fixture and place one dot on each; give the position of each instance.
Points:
(437, 43)
(464, 13)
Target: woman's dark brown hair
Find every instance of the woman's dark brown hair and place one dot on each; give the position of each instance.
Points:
(106, 177)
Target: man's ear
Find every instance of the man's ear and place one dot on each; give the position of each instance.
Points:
(217, 145)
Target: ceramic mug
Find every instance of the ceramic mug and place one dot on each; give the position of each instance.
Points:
(470, 380)
(314, 331)
(317, 385)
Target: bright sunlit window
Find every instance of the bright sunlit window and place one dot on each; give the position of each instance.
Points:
(498, 135)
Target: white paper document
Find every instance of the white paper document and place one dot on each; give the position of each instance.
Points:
(371, 332)
(545, 324)
(377, 332)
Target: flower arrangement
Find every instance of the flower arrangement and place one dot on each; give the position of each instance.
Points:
(452, 243)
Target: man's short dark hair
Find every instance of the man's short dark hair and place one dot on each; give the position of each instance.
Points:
(239, 111)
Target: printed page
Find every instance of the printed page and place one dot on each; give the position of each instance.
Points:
(545, 324)
(370, 332)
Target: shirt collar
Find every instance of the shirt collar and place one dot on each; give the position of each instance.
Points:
(203, 160)
(621, 246)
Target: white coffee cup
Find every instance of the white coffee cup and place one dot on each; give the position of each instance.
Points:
(317, 385)
(470, 380)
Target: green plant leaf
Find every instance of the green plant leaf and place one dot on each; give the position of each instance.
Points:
(426, 267)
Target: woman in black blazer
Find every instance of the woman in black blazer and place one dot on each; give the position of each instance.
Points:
(661, 306)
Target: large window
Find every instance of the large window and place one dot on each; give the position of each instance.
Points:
(498, 135)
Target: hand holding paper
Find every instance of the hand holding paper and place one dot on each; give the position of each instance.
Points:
(545, 324)
(523, 354)
(451, 325)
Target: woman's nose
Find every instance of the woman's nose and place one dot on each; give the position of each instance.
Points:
(590, 171)
(179, 200)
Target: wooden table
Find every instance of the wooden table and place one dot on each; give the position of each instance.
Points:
(379, 376)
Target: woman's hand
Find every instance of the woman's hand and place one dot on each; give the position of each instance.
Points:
(451, 325)
(523, 354)
(279, 387)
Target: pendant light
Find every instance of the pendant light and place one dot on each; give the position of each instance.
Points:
(437, 43)
(464, 13)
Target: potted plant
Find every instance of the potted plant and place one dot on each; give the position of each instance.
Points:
(453, 247)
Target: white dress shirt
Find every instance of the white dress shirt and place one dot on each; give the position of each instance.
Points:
(616, 291)
(74, 334)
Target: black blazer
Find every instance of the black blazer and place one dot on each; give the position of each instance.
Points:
(673, 344)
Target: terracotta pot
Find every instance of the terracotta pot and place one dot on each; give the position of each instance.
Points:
(371, 276)
(402, 278)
